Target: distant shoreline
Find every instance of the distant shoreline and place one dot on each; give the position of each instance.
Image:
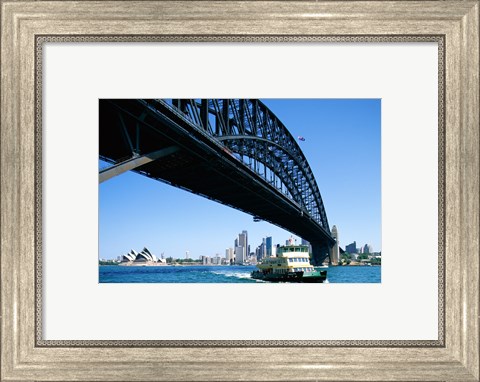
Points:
(216, 265)
(163, 264)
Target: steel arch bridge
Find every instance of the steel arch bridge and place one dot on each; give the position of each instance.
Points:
(234, 151)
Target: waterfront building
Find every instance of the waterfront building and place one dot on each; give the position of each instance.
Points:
(247, 246)
(335, 252)
(239, 254)
(367, 248)
(263, 248)
(145, 256)
(241, 247)
(243, 240)
(229, 254)
(257, 253)
(351, 248)
(269, 246)
(130, 256)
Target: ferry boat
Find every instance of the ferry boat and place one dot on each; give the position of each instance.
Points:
(292, 264)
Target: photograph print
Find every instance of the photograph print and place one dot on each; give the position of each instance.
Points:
(240, 191)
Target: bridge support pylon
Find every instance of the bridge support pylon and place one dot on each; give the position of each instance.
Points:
(320, 252)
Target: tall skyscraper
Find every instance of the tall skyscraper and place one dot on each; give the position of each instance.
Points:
(242, 243)
(245, 244)
(269, 246)
(334, 252)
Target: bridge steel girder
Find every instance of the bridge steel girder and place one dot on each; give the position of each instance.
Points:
(251, 119)
(134, 162)
(214, 155)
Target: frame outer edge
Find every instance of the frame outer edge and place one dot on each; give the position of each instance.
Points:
(8, 194)
(470, 230)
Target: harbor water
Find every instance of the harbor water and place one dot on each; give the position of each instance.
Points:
(221, 274)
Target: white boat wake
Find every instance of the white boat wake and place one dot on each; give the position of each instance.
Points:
(238, 275)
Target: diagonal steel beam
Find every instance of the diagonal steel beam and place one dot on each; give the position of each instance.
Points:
(133, 163)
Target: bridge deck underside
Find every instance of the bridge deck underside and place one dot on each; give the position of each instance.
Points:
(197, 166)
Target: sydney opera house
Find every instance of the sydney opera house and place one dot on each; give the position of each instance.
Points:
(142, 258)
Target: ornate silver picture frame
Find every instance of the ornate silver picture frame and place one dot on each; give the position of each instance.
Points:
(26, 26)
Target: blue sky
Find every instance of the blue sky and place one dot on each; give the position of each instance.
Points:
(342, 146)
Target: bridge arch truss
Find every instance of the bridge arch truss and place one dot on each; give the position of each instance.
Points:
(252, 133)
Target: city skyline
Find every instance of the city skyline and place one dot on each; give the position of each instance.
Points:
(341, 141)
(268, 242)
